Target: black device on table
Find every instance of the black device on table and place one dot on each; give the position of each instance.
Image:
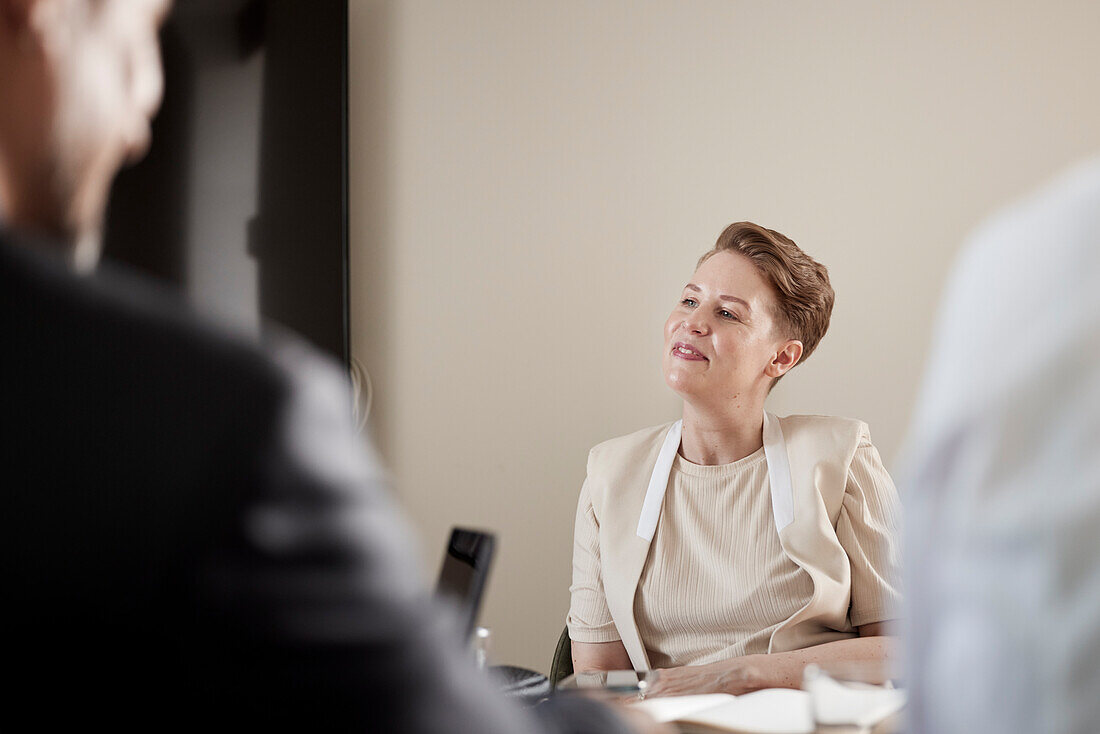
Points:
(461, 585)
(462, 577)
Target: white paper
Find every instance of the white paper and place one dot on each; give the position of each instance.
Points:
(671, 708)
(771, 711)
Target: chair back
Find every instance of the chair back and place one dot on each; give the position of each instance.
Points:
(562, 665)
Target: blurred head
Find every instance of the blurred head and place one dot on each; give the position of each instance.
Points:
(756, 306)
(79, 82)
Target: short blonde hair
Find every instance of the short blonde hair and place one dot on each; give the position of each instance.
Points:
(804, 297)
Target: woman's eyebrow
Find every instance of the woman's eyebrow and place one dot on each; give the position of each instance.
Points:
(735, 299)
(722, 297)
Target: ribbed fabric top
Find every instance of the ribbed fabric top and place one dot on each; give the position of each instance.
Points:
(717, 582)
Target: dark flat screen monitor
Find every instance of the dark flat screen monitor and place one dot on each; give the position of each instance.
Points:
(464, 573)
(242, 198)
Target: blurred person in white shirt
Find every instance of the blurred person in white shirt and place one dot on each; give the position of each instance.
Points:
(1002, 480)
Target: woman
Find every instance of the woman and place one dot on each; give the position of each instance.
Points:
(732, 548)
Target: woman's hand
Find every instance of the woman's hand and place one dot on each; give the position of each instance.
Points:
(774, 670)
(736, 676)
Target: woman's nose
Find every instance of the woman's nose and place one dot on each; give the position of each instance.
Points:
(696, 325)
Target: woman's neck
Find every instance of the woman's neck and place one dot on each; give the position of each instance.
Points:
(722, 436)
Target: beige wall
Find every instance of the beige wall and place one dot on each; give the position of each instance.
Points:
(532, 182)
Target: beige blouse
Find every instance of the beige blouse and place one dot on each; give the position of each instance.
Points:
(717, 582)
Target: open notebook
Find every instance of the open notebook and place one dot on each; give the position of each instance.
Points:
(775, 710)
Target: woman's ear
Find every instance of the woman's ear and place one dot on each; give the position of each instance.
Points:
(788, 355)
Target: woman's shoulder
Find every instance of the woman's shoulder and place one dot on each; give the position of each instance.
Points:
(823, 424)
(624, 453)
(619, 467)
(625, 447)
(825, 434)
(794, 426)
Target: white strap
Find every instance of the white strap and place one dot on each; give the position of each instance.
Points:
(658, 482)
(779, 472)
(779, 476)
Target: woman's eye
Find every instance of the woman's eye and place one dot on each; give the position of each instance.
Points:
(727, 314)
(688, 302)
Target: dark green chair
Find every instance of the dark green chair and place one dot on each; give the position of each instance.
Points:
(562, 664)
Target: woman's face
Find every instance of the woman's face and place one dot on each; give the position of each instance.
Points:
(721, 342)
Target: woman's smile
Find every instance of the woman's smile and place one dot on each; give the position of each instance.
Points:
(683, 350)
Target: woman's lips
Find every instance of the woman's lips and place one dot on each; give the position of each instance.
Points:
(688, 352)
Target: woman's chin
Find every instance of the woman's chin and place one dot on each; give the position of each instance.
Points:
(686, 386)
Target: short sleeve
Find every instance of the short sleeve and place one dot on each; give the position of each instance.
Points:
(869, 529)
(589, 618)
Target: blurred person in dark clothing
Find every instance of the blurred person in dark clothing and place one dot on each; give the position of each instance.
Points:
(192, 533)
